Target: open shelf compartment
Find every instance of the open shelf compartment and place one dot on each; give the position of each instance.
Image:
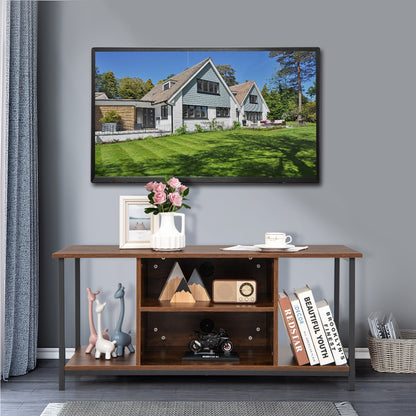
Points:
(165, 339)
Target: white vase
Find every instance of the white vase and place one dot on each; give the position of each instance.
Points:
(167, 237)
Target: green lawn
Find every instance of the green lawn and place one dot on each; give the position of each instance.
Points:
(283, 153)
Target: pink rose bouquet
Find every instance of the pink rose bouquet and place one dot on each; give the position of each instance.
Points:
(166, 196)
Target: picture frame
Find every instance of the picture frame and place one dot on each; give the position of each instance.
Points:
(205, 115)
(136, 227)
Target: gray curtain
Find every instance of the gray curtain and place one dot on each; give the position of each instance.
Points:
(22, 240)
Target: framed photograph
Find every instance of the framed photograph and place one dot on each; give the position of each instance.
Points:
(205, 114)
(136, 226)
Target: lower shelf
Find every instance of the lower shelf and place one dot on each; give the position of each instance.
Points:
(252, 360)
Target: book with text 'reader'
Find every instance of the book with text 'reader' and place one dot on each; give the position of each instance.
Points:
(331, 332)
(310, 311)
(289, 319)
(304, 330)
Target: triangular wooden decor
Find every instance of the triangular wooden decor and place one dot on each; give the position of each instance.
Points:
(183, 293)
(197, 287)
(175, 277)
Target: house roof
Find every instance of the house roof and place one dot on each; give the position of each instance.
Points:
(240, 91)
(101, 96)
(158, 95)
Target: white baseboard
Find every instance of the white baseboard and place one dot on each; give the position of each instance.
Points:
(53, 353)
(362, 354)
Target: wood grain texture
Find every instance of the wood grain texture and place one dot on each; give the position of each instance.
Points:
(209, 251)
(162, 338)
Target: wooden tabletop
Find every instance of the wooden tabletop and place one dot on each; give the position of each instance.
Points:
(203, 251)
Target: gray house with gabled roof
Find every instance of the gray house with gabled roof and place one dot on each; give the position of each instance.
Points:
(195, 96)
(252, 104)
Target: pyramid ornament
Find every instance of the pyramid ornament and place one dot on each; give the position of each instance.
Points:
(172, 283)
(197, 287)
(183, 294)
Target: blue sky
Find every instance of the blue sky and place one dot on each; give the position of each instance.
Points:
(249, 65)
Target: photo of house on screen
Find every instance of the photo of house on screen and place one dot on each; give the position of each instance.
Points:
(195, 97)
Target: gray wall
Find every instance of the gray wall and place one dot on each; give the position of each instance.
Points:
(366, 198)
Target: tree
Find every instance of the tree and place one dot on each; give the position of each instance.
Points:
(148, 85)
(296, 67)
(282, 101)
(163, 80)
(265, 91)
(108, 84)
(312, 90)
(131, 88)
(310, 111)
(228, 73)
(97, 79)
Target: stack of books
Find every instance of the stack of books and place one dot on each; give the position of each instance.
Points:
(383, 325)
(311, 328)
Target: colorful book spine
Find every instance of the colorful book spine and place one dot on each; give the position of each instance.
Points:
(310, 311)
(331, 332)
(303, 329)
(289, 319)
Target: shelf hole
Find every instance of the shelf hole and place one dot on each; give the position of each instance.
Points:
(258, 329)
(250, 338)
(258, 266)
(162, 337)
(155, 266)
(155, 329)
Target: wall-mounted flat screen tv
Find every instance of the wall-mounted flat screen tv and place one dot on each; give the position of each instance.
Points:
(205, 115)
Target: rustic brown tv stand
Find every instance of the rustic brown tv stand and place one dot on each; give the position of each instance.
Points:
(161, 340)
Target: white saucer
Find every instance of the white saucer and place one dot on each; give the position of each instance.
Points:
(268, 247)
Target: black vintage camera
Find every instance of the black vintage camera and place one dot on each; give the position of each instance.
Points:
(208, 341)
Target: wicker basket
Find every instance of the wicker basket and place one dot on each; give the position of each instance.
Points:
(394, 355)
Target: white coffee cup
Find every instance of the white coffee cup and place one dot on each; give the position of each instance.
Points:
(277, 239)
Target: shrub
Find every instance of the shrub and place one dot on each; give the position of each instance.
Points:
(236, 124)
(214, 125)
(181, 130)
(111, 117)
(198, 128)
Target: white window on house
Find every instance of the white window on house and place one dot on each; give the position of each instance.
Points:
(253, 99)
(207, 87)
(164, 112)
(223, 111)
(194, 112)
(166, 86)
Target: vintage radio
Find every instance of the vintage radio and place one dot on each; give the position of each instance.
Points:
(234, 291)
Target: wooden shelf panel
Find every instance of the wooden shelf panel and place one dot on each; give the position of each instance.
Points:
(154, 305)
(112, 251)
(251, 359)
(286, 362)
(172, 358)
(82, 361)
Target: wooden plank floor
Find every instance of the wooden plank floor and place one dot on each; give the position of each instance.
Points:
(376, 393)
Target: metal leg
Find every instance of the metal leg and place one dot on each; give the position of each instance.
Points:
(351, 331)
(336, 291)
(61, 323)
(77, 304)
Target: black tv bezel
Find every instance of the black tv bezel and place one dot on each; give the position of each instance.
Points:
(208, 180)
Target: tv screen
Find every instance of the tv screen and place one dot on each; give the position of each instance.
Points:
(205, 115)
